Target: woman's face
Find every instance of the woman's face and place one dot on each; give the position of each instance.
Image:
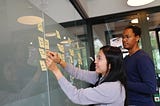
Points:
(101, 63)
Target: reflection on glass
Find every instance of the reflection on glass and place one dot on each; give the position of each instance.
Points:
(24, 79)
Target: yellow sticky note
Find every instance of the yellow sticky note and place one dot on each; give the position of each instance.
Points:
(80, 61)
(46, 44)
(61, 56)
(43, 65)
(58, 34)
(71, 52)
(69, 40)
(41, 42)
(40, 27)
(71, 59)
(79, 55)
(60, 47)
(77, 45)
(42, 53)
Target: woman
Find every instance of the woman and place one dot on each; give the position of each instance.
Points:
(109, 78)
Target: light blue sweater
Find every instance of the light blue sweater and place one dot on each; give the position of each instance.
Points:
(105, 94)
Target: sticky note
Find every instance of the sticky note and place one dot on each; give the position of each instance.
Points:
(58, 34)
(60, 47)
(46, 43)
(42, 53)
(40, 27)
(43, 65)
(71, 52)
(41, 42)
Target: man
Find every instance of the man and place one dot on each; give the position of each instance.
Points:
(141, 80)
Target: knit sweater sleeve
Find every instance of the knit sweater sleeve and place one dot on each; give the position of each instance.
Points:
(107, 93)
(84, 75)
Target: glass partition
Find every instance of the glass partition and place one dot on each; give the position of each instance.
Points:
(24, 78)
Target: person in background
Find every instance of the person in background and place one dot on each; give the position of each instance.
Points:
(141, 79)
(108, 78)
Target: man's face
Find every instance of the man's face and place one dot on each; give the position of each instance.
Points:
(129, 39)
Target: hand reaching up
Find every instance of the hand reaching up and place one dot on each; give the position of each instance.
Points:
(51, 62)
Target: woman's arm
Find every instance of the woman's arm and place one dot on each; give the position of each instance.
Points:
(84, 75)
(106, 93)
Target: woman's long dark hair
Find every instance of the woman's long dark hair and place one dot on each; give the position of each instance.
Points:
(114, 57)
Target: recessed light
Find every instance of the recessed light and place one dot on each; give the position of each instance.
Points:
(30, 20)
(50, 34)
(138, 2)
(136, 20)
(66, 40)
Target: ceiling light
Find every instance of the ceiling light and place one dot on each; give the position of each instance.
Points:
(138, 2)
(66, 40)
(30, 20)
(50, 34)
(136, 20)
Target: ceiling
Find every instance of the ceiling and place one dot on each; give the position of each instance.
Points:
(63, 10)
(66, 10)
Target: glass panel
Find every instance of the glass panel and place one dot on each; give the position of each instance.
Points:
(98, 42)
(155, 51)
(24, 79)
(109, 33)
(70, 50)
(22, 82)
(80, 42)
(154, 36)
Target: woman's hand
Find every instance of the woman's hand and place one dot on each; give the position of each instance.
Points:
(54, 56)
(50, 62)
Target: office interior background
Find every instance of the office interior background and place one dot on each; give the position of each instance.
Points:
(74, 28)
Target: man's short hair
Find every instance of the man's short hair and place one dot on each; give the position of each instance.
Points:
(135, 29)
